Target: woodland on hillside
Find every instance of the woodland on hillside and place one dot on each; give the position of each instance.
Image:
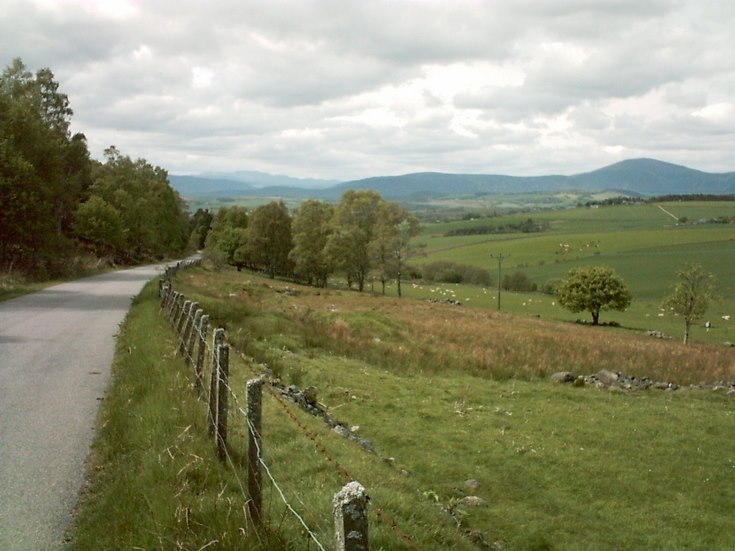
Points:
(63, 212)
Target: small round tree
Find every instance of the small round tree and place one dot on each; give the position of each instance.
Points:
(592, 289)
(691, 295)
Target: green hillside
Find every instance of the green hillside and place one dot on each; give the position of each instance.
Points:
(645, 244)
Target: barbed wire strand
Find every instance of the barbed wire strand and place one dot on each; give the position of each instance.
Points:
(278, 488)
(340, 469)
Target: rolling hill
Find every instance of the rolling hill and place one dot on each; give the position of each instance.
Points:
(635, 176)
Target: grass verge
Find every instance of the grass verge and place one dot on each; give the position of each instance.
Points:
(554, 467)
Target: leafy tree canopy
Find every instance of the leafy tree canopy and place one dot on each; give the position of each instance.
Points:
(593, 289)
(691, 295)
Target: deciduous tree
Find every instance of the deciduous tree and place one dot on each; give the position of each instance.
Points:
(691, 296)
(353, 228)
(311, 228)
(593, 289)
(389, 247)
(269, 239)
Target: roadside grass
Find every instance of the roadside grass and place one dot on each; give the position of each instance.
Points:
(155, 482)
(152, 484)
(450, 394)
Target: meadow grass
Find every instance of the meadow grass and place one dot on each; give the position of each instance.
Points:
(449, 394)
(446, 394)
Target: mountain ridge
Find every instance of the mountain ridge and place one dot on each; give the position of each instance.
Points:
(638, 176)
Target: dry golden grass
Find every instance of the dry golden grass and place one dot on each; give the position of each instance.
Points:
(419, 336)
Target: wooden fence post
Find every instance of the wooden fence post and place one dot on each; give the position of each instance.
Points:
(186, 330)
(223, 361)
(202, 338)
(198, 313)
(219, 339)
(167, 299)
(255, 449)
(350, 518)
(172, 306)
(182, 318)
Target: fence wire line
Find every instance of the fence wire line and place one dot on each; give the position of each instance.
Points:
(278, 488)
(340, 469)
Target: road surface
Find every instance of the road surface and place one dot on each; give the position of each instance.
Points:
(56, 348)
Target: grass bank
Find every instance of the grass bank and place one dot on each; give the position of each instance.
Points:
(456, 404)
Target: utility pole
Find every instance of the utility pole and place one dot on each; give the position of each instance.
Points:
(500, 258)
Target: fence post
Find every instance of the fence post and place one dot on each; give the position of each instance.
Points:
(255, 449)
(174, 309)
(192, 335)
(202, 338)
(186, 330)
(350, 518)
(172, 306)
(223, 361)
(167, 299)
(219, 339)
(182, 318)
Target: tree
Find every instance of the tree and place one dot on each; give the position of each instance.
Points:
(353, 227)
(592, 289)
(53, 167)
(199, 226)
(152, 212)
(227, 234)
(389, 247)
(311, 228)
(100, 223)
(691, 295)
(518, 281)
(269, 239)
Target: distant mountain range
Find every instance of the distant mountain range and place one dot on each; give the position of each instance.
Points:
(634, 176)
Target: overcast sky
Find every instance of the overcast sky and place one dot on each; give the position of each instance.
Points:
(348, 89)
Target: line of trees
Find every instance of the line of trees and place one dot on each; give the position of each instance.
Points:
(57, 203)
(527, 226)
(361, 235)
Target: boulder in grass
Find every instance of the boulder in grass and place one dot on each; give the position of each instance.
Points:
(563, 377)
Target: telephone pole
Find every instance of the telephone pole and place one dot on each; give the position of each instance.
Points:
(500, 258)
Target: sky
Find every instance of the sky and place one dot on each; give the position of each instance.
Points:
(347, 89)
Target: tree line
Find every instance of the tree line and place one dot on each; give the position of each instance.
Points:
(58, 205)
(361, 235)
(527, 226)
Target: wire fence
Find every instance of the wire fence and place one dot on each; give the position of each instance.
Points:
(209, 355)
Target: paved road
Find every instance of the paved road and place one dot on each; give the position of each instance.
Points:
(56, 347)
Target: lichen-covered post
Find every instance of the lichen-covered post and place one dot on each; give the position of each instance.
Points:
(219, 339)
(185, 327)
(255, 449)
(182, 317)
(223, 361)
(202, 338)
(188, 330)
(350, 518)
(172, 307)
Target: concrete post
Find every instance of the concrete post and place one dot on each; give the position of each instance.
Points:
(219, 339)
(350, 518)
(223, 361)
(255, 449)
(202, 338)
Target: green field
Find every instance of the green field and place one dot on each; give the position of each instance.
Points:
(456, 402)
(642, 243)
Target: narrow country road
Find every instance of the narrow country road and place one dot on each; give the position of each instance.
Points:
(56, 347)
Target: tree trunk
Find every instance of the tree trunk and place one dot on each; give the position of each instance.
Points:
(686, 333)
(398, 284)
(595, 318)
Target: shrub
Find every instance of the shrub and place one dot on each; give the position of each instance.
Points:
(518, 281)
(450, 272)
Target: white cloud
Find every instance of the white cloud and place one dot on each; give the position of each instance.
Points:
(346, 88)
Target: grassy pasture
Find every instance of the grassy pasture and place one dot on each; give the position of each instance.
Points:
(446, 394)
(641, 242)
(453, 394)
